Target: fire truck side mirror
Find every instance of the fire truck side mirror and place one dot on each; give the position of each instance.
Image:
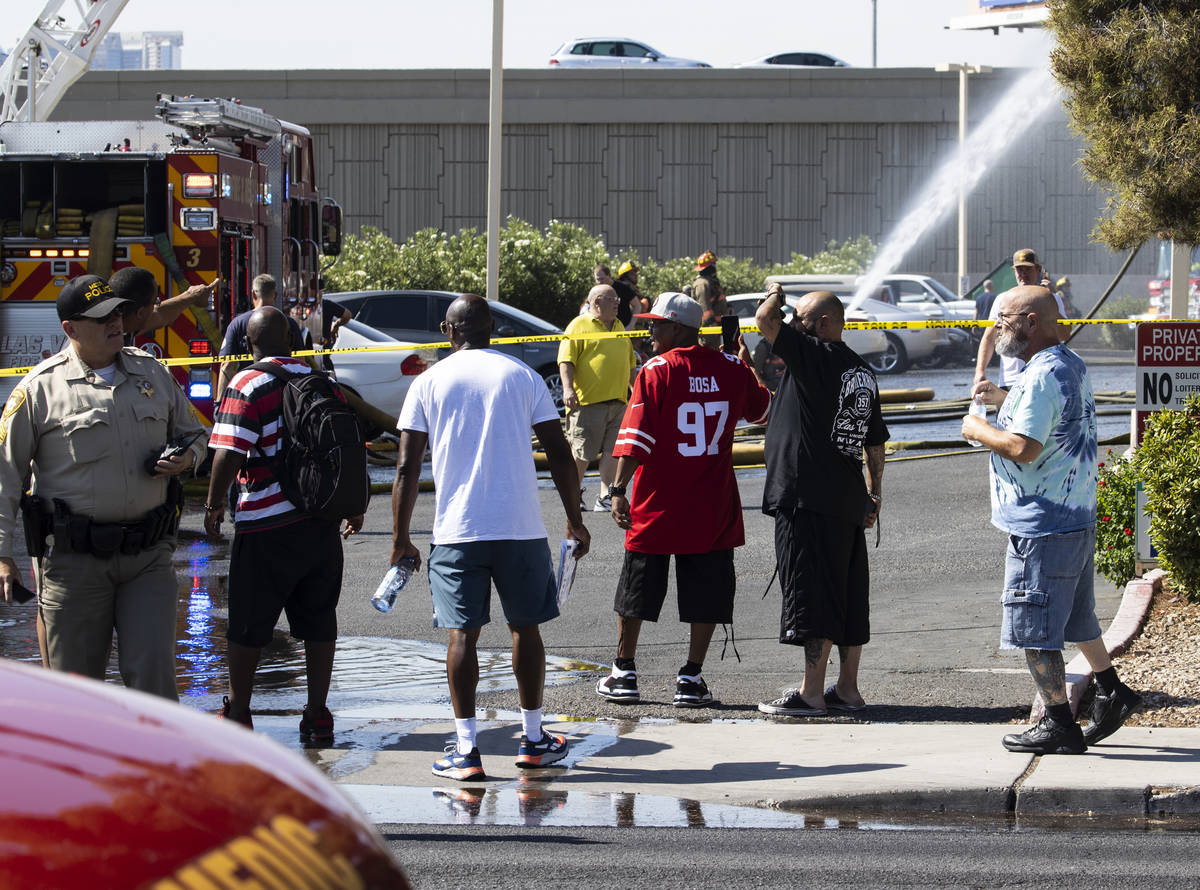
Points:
(331, 229)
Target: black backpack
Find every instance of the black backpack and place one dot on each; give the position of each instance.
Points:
(321, 464)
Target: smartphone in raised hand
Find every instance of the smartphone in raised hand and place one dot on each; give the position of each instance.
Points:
(730, 328)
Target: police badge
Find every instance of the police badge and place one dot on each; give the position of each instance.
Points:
(145, 387)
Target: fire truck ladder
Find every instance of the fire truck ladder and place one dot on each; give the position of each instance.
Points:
(53, 54)
(227, 118)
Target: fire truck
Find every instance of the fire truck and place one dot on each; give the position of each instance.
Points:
(211, 190)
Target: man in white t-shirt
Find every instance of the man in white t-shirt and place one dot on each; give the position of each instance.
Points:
(1028, 272)
(475, 409)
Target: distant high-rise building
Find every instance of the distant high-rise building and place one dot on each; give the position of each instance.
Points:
(162, 49)
(139, 50)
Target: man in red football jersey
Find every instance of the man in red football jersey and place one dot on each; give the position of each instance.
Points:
(675, 443)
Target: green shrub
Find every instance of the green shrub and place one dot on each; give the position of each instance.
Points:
(549, 271)
(370, 260)
(1168, 463)
(1119, 336)
(1116, 548)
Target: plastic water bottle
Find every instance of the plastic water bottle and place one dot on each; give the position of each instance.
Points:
(977, 409)
(393, 582)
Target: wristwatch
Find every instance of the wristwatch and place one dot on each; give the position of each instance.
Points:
(618, 490)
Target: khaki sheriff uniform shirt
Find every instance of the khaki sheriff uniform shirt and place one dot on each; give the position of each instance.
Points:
(86, 442)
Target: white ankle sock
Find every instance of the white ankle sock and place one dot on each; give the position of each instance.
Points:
(531, 722)
(464, 727)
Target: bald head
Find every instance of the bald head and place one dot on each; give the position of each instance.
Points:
(1027, 321)
(470, 316)
(820, 314)
(267, 331)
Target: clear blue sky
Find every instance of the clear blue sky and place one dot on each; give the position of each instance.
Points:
(457, 33)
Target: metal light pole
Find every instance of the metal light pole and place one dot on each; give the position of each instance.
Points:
(495, 97)
(963, 70)
(874, 32)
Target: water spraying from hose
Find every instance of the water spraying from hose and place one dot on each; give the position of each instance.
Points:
(1033, 95)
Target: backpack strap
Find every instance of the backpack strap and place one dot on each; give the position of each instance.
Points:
(283, 376)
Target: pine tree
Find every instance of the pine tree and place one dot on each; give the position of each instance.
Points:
(1131, 71)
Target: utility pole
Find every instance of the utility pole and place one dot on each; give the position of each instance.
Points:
(495, 103)
(874, 33)
(963, 70)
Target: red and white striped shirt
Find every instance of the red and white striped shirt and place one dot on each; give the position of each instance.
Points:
(248, 420)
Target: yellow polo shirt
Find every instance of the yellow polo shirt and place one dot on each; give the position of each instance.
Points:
(601, 366)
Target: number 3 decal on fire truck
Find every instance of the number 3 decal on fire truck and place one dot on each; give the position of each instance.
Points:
(193, 257)
(691, 423)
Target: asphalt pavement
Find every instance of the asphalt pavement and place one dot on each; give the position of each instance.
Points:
(940, 691)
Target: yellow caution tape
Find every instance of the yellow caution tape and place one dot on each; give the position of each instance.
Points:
(612, 335)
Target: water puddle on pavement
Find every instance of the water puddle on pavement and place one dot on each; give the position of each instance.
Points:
(393, 676)
(529, 802)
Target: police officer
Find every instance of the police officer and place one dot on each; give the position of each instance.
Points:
(89, 424)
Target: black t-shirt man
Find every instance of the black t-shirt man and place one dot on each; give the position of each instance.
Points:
(625, 294)
(825, 410)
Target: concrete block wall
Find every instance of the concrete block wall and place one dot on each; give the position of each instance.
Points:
(743, 162)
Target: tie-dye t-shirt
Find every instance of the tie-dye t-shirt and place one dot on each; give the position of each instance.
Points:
(1051, 402)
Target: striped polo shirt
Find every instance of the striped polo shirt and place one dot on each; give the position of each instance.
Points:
(248, 420)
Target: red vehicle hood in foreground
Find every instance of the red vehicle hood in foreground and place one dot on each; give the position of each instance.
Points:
(104, 787)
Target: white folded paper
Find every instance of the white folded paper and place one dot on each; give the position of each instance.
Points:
(566, 568)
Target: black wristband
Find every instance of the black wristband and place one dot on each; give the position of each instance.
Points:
(618, 490)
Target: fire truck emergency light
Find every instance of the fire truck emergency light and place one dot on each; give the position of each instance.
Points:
(199, 347)
(199, 185)
(200, 390)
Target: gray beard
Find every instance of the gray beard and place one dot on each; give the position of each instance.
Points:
(1011, 345)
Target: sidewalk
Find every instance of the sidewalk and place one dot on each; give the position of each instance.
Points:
(789, 765)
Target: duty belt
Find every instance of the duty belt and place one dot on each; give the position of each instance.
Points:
(76, 533)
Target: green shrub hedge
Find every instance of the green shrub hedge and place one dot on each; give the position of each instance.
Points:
(549, 271)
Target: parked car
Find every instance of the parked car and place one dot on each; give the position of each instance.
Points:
(613, 52)
(108, 787)
(413, 316)
(796, 60)
(925, 293)
(904, 346)
(381, 378)
(871, 345)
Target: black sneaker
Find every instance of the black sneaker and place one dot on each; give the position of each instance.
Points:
(622, 689)
(692, 692)
(1109, 712)
(1048, 737)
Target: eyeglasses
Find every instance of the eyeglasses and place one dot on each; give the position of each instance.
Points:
(445, 327)
(1000, 316)
(658, 323)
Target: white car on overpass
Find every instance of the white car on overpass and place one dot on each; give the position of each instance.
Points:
(615, 52)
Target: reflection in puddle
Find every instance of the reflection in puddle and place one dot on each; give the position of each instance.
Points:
(529, 802)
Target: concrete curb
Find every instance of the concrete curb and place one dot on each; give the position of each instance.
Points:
(1122, 630)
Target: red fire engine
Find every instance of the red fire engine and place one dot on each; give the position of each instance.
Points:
(212, 190)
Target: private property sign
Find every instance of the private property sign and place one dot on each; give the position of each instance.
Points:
(1168, 371)
(1168, 367)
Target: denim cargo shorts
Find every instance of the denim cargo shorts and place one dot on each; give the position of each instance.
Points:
(1048, 591)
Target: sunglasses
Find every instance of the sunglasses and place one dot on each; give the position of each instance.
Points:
(116, 313)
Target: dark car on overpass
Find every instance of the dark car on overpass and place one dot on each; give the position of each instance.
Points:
(413, 316)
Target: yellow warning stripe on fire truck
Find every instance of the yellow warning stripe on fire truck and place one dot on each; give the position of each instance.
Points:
(611, 335)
